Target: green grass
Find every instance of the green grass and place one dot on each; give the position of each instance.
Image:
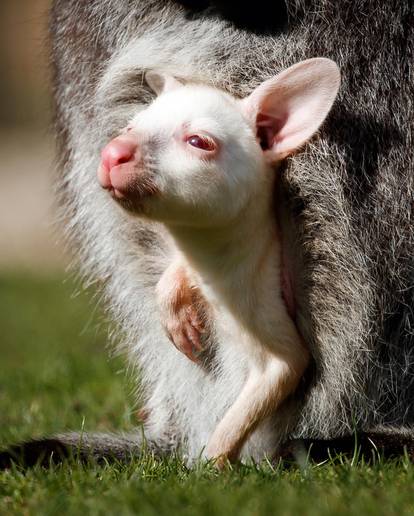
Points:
(55, 374)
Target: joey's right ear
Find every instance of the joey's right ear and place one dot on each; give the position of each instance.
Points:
(161, 83)
(289, 108)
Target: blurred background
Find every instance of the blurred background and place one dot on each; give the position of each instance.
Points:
(55, 373)
(28, 240)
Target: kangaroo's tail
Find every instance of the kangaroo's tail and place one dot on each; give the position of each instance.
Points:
(387, 443)
(81, 446)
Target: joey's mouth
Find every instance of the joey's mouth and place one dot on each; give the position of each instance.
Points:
(129, 186)
(115, 194)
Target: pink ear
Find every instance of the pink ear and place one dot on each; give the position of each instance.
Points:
(161, 83)
(289, 108)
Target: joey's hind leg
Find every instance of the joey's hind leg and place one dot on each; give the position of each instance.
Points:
(267, 386)
(184, 311)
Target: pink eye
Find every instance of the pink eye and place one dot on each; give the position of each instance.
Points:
(201, 142)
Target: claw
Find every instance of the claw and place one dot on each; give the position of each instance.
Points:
(186, 338)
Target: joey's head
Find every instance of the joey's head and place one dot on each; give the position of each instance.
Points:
(199, 157)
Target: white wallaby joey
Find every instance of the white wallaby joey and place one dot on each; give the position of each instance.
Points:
(204, 164)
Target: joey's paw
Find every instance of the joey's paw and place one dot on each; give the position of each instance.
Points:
(185, 327)
(184, 311)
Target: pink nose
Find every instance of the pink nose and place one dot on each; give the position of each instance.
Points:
(119, 150)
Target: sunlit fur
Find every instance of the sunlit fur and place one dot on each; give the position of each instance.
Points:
(346, 203)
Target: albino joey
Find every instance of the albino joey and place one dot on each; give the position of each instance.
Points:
(204, 164)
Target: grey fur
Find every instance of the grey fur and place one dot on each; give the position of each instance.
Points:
(345, 204)
(81, 446)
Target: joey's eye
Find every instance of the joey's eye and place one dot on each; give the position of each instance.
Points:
(201, 142)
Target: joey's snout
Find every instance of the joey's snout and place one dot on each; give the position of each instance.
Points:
(118, 165)
(121, 170)
(119, 150)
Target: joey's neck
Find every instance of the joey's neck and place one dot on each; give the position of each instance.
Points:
(234, 258)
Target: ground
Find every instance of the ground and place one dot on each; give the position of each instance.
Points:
(56, 374)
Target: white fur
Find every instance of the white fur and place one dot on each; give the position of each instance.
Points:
(217, 207)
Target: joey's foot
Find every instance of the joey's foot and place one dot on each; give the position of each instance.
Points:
(221, 462)
(222, 455)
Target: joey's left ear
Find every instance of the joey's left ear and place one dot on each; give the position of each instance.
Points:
(161, 83)
(289, 108)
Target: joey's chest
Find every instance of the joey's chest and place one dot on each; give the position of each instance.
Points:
(242, 317)
(248, 308)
